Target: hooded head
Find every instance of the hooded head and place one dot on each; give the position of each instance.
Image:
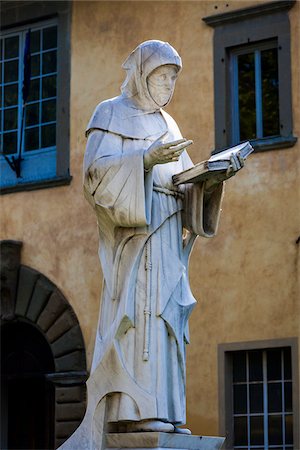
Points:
(146, 58)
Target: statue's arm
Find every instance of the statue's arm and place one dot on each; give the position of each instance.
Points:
(115, 180)
(202, 205)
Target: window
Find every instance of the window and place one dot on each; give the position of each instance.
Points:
(262, 399)
(252, 77)
(255, 92)
(34, 131)
(259, 398)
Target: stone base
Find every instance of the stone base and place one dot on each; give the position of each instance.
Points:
(158, 441)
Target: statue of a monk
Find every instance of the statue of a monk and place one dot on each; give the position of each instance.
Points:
(147, 227)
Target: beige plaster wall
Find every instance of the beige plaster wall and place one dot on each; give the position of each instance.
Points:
(245, 278)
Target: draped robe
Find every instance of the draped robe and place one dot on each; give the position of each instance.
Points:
(144, 251)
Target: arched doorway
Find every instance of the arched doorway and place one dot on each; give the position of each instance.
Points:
(43, 361)
(28, 398)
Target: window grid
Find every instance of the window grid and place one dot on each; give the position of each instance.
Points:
(40, 101)
(235, 109)
(266, 414)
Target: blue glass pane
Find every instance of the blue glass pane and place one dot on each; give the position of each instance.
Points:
(274, 364)
(246, 96)
(240, 399)
(11, 47)
(34, 90)
(256, 430)
(32, 139)
(35, 65)
(49, 62)
(49, 38)
(239, 366)
(256, 398)
(240, 431)
(35, 41)
(10, 141)
(10, 119)
(11, 95)
(48, 136)
(275, 397)
(48, 110)
(275, 430)
(0, 72)
(288, 397)
(32, 114)
(289, 430)
(49, 86)
(255, 366)
(270, 92)
(11, 71)
(287, 364)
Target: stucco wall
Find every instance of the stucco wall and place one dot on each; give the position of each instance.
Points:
(245, 278)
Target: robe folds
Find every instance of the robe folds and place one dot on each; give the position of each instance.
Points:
(144, 252)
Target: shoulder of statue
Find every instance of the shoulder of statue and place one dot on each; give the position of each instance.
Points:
(102, 115)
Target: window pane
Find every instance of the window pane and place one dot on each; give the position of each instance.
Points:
(274, 397)
(49, 38)
(246, 95)
(275, 430)
(10, 119)
(49, 86)
(1, 48)
(274, 364)
(287, 364)
(0, 120)
(10, 143)
(32, 114)
(49, 62)
(35, 41)
(239, 366)
(240, 399)
(35, 65)
(49, 111)
(289, 429)
(11, 47)
(270, 92)
(11, 95)
(32, 139)
(0, 72)
(240, 431)
(11, 69)
(255, 366)
(288, 397)
(256, 398)
(48, 136)
(256, 430)
(34, 90)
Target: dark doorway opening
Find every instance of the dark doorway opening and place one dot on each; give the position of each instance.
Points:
(27, 405)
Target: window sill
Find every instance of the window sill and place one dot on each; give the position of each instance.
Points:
(275, 143)
(41, 184)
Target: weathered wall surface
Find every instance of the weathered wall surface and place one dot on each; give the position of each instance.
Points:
(245, 278)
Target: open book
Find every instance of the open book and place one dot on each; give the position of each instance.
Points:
(215, 164)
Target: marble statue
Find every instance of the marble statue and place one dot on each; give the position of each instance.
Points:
(147, 228)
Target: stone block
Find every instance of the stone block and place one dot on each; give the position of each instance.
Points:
(166, 441)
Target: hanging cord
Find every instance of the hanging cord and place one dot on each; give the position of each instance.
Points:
(147, 309)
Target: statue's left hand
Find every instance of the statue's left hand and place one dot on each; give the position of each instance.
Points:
(237, 162)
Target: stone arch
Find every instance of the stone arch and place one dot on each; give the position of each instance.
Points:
(29, 296)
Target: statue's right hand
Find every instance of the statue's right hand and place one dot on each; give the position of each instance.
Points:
(160, 153)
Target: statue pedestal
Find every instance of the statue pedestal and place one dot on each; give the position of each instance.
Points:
(161, 441)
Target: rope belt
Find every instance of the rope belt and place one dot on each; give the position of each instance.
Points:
(166, 191)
